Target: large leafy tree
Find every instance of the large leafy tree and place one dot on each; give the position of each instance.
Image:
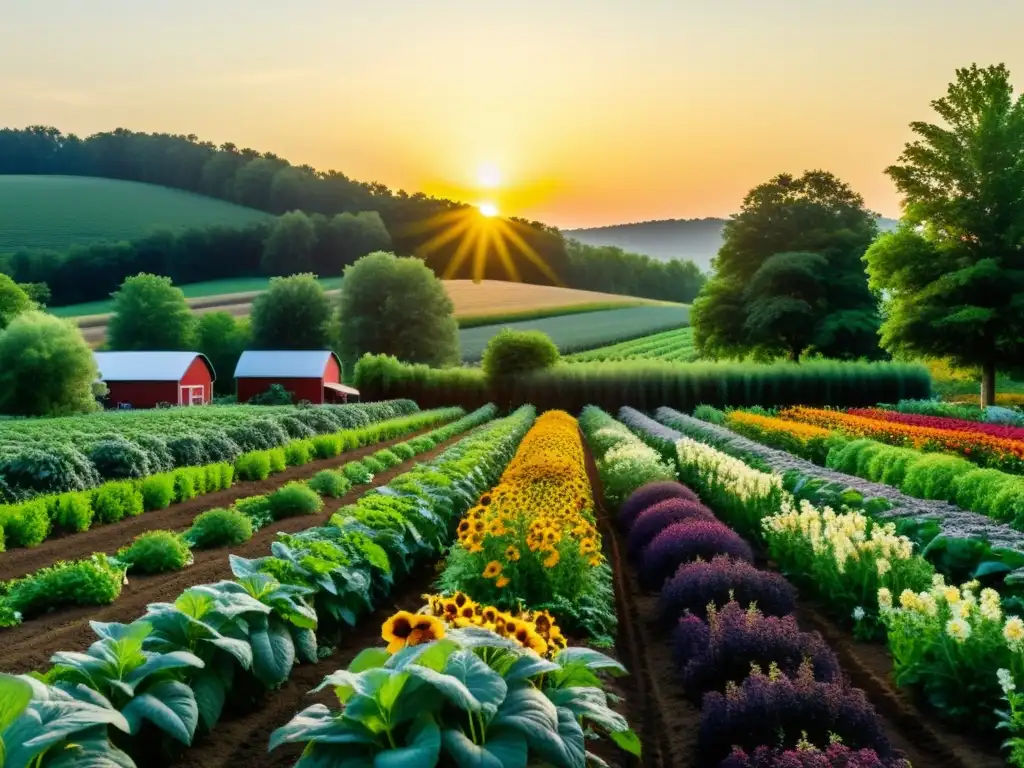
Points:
(953, 275)
(294, 313)
(397, 306)
(150, 314)
(222, 338)
(289, 248)
(789, 276)
(14, 301)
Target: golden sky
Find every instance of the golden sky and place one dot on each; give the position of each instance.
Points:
(589, 112)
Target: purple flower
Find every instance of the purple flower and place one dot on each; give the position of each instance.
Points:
(695, 585)
(835, 756)
(648, 495)
(779, 711)
(721, 650)
(660, 516)
(684, 542)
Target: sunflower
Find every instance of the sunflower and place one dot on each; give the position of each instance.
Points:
(544, 621)
(461, 598)
(512, 553)
(468, 611)
(587, 546)
(464, 526)
(594, 561)
(489, 614)
(485, 500)
(449, 609)
(552, 559)
(502, 582)
(492, 570)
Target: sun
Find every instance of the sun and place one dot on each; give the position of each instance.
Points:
(488, 209)
(488, 176)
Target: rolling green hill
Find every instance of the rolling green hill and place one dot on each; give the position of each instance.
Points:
(59, 211)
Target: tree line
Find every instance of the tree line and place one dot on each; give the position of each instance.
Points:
(269, 183)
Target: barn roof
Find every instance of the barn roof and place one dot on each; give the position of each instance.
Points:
(294, 364)
(147, 366)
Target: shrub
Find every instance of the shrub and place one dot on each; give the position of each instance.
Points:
(721, 650)
(296, 429)
(330, 483)
(220, 447)
(112, 502)
(253, 466)
(511, 352)
(294, 499)
(423, 443)
(697, 585)
(185, 484)
(297, 453)
(357, 473)
(58, 469)
(327, 446)
(977, 490)
(372, 463)
(805, 756)
(404, 451)
(158, 491)
(783, 710)
(889, 466)
(709, 413)
(73, 511)
(257, 509)
(647, 496)
(96, 581)
(118, 458)
(278, 461)
(387, 458)
(219, 528)
(275, 394)
(188, 450)
(684, 542)
(660, 516)
(628, 466)
(156, 552)
(933, 476)
(28, 524)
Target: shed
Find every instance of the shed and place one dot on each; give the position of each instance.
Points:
(146, 379)
(313, 375)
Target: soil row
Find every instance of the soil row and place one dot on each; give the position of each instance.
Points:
(29, 646)
(177, 517)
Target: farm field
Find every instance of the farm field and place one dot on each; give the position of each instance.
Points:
(675, 346)
(57, 212)
(585, 331)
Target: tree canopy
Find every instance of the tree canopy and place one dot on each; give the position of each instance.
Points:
(789, 278)
(13, 301)
(46, 367)
(953, 275)
(293, 313)
(222, 338)
(397, 306)
(150, 314)
(289, 248)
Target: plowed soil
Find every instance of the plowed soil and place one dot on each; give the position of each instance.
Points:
(177, 517)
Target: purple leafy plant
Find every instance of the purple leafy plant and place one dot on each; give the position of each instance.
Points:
(807, 756)
(648, 495)
(660, 516)
(697, 585)
(685, 542)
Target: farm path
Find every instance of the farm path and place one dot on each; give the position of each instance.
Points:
(29, 646)
(177, 517)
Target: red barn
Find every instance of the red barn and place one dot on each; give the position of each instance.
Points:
(144, 379)
(313, 375)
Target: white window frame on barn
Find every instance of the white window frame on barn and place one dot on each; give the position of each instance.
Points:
(190, 398)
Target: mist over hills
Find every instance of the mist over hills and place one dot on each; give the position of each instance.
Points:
(694, 239)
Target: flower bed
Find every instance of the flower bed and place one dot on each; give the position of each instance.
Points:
(940, 422)
(805, 440)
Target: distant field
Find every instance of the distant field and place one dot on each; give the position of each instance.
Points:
(60, 211)
(578, 332)
(675, 346)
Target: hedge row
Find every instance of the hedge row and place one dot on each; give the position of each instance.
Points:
(647, 384)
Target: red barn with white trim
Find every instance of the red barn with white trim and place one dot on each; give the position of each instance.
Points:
(313, 375)
(145, 379)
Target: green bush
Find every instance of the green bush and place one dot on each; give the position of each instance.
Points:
(73, 511)
(294, 499)
(219, 528)
(403, 450)
(297, 453)
(96, 581)
(511, 352)
(257, 509)
(278, 462)
(28, 523)
(156, 552)
(709, 413)
(327, 446)
(350, 440)
(889, 465)
(184, 485)
(1008, 504)
(934, 475)
(199, 478)
(977, 490)
(158, 491)
(387, 458)
(330, 483)
(423, 443)
(112, 502)
(373, 464)
(254, 465)
(357, 473)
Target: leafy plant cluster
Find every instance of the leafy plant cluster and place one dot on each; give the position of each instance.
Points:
(674, 346)
(169, 675)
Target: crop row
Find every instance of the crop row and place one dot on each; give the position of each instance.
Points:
(769, 694)
(172, 673)
(953, 645)
(671, 346)
(49, 456)
(955, 410)
(29, 523)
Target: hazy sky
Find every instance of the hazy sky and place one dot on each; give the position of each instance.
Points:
(592, 111)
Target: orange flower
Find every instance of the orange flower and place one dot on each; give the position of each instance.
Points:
(493, 569)
(502, 582)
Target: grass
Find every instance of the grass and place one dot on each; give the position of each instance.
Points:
(57, 212)
(574, 333)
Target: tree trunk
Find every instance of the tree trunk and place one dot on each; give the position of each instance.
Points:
(988, 384)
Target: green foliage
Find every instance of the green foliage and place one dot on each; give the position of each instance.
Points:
(278, 463)
(404, 451)
(709, 413)
(156, 552)
(95, 581)
(253, 466)
(289, 248)
(396, 306)
(222, 338)
(539, 313)
(257, 509)
(331, 483)
(357, 472)
(112, 502)
(13, 301)
(934, 476)
(387, 458)
(954, 272)
(219, 528)
(72, 512)
(327, 446)
(373, 464)
(294, 499)
(27, 524)
(150, 314)
(293, 313)
(298, 452)
(609, 269)
(675, 345)
(788, 277)
(158, 491)
(510, 353)
(46, 368)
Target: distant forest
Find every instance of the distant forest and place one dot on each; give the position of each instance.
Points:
(269, 183)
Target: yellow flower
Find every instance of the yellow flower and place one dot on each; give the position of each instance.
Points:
(884, 599)
(502, 582)
(594, 561)
(492, 570)
(883, 566)
(408, 629)
(512, 553)
(908, 598)
(587, 546)
(552, 559)
(952, 595)
(1013, 630)
(958, 629)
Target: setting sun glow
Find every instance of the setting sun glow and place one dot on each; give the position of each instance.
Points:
(488, 176)
(488, 209)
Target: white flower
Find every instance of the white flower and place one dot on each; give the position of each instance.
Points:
(1006, 680)
(958, 629)
(858, 613)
